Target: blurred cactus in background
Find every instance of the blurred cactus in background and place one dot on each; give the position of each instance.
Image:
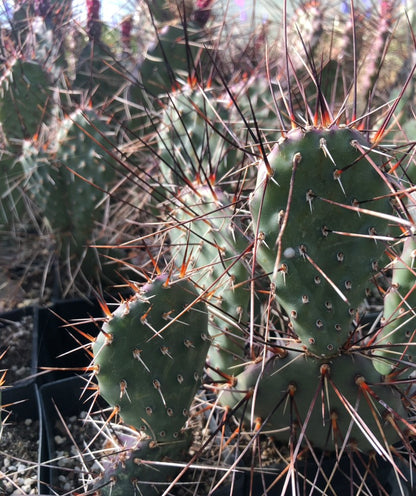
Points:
(258, 160)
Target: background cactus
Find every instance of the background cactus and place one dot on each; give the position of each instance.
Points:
(22, 80)
(63, 170)
(275, 202)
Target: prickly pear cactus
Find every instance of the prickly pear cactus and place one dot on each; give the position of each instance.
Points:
(98, 76)
(168, 61)
(150, 357)
(318, 212)
(138, 469)
(349, 384)
(23, 81)
(194, 140)
(72, 167)
(11, 202)
(397, 333)
(321, 219)
(209, 244)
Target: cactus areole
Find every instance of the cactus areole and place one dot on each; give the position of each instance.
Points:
(318, 213)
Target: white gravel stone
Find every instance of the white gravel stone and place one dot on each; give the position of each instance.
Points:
(59, 439)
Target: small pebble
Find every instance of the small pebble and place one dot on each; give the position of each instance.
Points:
(59, 439)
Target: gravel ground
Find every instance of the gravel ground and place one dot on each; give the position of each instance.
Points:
(71, 461)
(16, 342)
(19, 445)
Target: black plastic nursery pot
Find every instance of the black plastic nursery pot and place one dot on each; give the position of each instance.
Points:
(19, 339)
(22, 430)
(345, 477)
(61, 347)
(61, 404)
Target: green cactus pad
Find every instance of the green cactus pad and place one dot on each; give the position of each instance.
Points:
(79, 148)
(134, 471)
(397, 337)
(12, 206)
(326, 398)
(168, 61)
(194, 139)
(318, 251)
(151, 355)
(25, 98)
(99, 76)
(208, 241)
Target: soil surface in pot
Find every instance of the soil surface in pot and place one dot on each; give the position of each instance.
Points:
(19, 446)
(16, 342)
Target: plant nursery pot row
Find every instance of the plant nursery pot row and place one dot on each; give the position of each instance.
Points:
(32, 340)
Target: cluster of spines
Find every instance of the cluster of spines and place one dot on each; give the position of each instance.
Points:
(320, 202)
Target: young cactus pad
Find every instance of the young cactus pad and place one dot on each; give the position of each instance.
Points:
(318, 212)
(133, 471)
(151, 354)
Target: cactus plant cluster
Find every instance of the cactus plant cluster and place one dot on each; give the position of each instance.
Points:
(281, 213)
(43, 89)
(284, 215)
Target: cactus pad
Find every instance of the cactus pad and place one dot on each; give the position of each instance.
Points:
(316, 241)
(54, 184)
(150, 357)
(209, 241)
(346, 394)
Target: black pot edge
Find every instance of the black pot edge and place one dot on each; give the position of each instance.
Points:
(55, 342)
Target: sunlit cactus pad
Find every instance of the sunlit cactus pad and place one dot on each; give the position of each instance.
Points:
(150, 357)
(319, 211)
